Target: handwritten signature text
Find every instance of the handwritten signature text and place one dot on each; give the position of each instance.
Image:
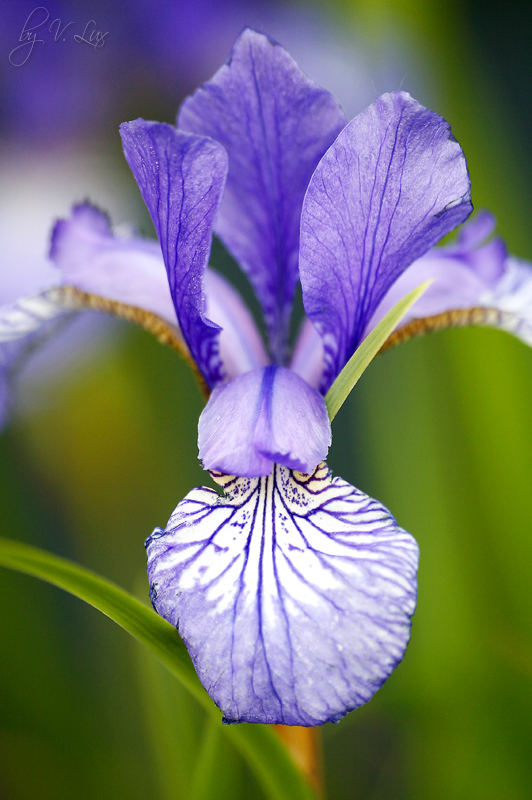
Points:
(38, 28)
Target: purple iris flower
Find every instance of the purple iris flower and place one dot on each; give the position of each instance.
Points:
(293, 590)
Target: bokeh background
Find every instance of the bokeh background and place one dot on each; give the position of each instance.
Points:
(102, 442)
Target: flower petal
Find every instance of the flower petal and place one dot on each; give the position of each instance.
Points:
(293, 594)
(474, 232)
(241, 345)
(512, 296)
(181, 178)
(128, 270)
(9, 354)
(485, 258)
(28, 315)
(392, 184)
(461, 274)
(23, 324)
(131, 270)
(308, 357)
(264, 417)
(275, 125)
(473, 276)
(4, 393)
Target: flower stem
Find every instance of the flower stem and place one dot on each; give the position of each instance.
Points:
(304, 745)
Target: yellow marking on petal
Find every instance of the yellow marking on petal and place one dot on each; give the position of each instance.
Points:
(164, 331)
(454, 318)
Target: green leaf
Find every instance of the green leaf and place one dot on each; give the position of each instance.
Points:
(173, 720)
(203, 783)
(267, 756)
(366, 352)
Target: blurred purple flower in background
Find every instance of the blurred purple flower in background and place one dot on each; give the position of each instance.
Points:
(156, 54)
(294, 591)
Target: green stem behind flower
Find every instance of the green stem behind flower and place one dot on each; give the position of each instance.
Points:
(304, 744)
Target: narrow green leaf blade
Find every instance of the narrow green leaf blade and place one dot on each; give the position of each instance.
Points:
(265, 753)
(124, 609)
(203, 782)
(366, 352)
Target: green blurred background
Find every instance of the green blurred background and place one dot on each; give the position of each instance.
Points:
(439, 430)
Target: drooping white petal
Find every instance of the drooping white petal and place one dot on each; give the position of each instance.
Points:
(512, 296)
(22, 323)
(293, 593)
(28, 315)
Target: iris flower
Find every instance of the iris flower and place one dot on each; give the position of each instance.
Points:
(292, 589)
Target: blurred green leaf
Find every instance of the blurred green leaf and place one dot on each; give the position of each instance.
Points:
(173, 721)
(203, 783)
(265, 753)
(364, 355)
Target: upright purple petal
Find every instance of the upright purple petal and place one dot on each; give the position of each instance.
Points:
(293, 594)
(181, 178)
(275, 125)
(392, 184)
(264, 417)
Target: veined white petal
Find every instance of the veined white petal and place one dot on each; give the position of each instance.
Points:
(293, 593)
